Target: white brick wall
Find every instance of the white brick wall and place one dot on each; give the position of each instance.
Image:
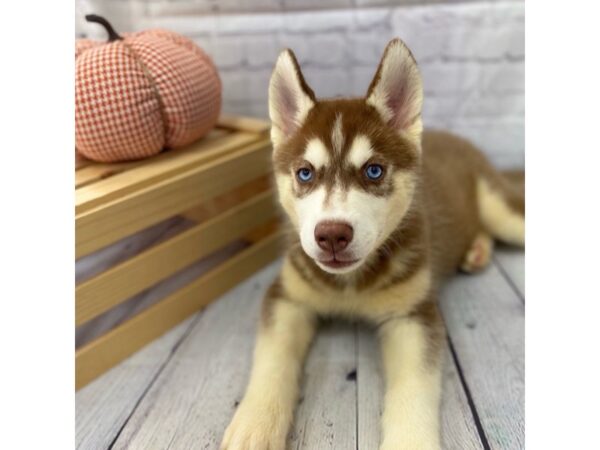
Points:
(471, 54)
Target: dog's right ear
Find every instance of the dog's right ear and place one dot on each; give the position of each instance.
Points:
(290, 98)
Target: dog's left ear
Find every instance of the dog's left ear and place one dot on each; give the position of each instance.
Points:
(397, 90)
(290, 98)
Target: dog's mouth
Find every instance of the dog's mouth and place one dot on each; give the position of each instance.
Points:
(338, 264)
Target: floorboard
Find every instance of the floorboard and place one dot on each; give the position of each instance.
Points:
(103, 406)
(193, 399)
(512, 264)
(485, 321)
(326, 417)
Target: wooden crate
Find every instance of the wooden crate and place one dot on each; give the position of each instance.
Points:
(221, 183)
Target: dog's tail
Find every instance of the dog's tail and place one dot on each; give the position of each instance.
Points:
(501, 199)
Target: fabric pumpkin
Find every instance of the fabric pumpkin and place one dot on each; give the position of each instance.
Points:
(141, 92)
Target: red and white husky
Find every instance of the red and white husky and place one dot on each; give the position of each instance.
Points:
(381, 213)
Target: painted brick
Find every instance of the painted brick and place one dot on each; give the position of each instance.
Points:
(261, 51)
(299, 45)
(227, 52)
(248, 23)
(328, 82)
(450, 78)
(303, 22)
(366, 48)
(503, 78)
(327, 50)
(291, 5)
(360, 79)
(371, 18)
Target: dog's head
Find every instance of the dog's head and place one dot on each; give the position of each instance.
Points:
(346, 169)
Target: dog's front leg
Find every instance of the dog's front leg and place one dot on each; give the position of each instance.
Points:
(264, 416)
(412, 357)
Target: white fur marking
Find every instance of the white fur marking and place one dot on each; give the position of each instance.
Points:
(316, 153)
(361, 151)
(337, 135)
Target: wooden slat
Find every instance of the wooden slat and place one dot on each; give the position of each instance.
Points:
(195, 396)
(108, 223)
(103, 407)
(326, 418)
(248, 124)
(108, 350)
(159, 168)
(485, 322)
(96, 171)
(80, 161)
(217, 205)
(99, 294)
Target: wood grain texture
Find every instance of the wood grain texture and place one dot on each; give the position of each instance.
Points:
(326, 417)
(249, 124)
(194, 398)
(102, 407)
(110, 222)
(370, 388)
(458, 428)
(111, 348)
(512, 264)
(99, 294)
(485, 321)
(160, 167)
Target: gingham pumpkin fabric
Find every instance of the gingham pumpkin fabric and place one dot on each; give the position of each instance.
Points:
(151, 90)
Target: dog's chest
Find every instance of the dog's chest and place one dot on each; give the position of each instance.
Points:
(370, 304)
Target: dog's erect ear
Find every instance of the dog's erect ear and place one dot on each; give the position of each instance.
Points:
(290, 98)
(397, 90)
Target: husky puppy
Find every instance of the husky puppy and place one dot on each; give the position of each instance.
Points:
(381, 213)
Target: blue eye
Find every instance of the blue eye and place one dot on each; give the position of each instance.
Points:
(304, 175)
(374, 171)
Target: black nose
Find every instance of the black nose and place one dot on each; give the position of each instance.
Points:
(333, 236)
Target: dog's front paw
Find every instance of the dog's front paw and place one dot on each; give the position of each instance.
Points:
(425, 442)
(256, 428)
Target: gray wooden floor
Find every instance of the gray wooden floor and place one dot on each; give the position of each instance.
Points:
(180, 391)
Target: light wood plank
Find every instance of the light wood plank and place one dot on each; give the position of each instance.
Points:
(512, 263)
(223, 202)
(99, 294)
(370, 389)
(102, 407)
(249, 124)
(95, 171)
(108, 350)
(326, 418)
(110, 222)
(159, 168)
(458, 428)
(195, 397)
(80, 161)
(485, 321)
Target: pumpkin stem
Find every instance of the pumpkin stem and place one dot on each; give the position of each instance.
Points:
(112, 34)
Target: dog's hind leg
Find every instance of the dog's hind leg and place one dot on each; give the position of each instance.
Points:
(479, 254)
(501, 202)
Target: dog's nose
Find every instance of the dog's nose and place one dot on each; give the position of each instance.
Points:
(333, 236)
